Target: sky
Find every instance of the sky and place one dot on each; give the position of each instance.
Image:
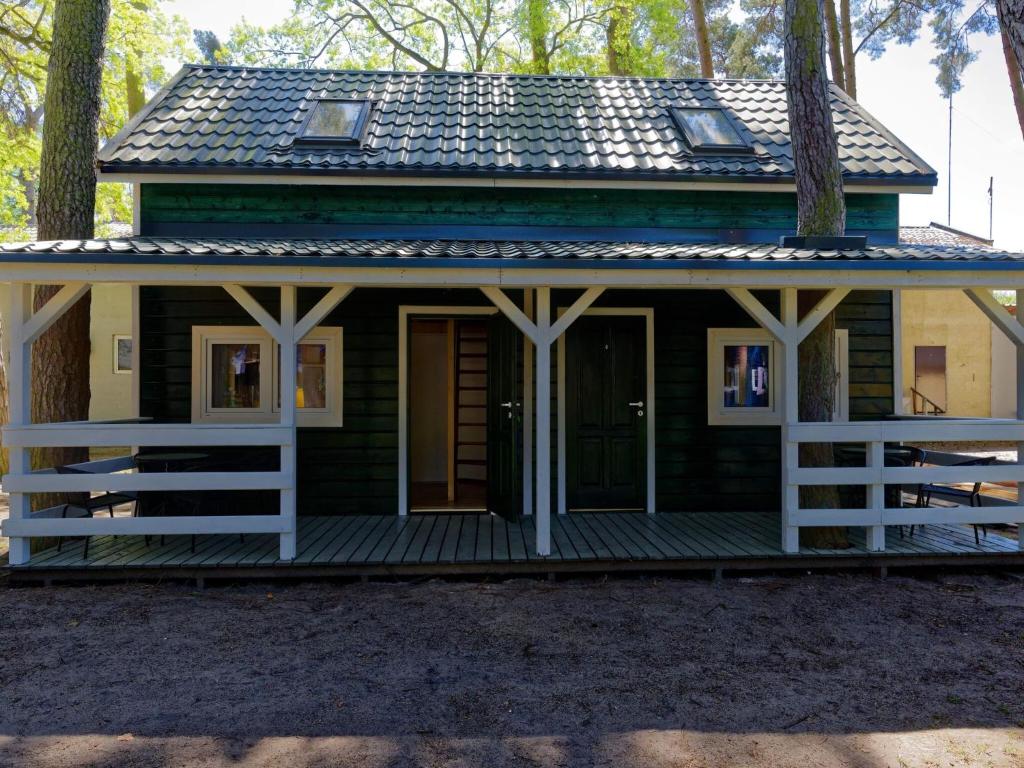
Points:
(899, 89)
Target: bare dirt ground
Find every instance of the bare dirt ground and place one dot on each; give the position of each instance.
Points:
(804, 671)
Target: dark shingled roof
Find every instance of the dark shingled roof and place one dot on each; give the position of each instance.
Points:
(940, 234)
(236, 120)
(507, 252)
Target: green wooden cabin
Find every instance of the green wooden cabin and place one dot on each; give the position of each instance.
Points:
(510, 295)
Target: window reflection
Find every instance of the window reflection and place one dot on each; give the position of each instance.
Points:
(746, 376)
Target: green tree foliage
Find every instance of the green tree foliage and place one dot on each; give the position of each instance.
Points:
(140, 38)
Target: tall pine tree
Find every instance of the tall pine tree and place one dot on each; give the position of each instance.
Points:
(821, 210)
(67, 201)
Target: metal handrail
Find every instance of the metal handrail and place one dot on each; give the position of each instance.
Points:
(925, 401)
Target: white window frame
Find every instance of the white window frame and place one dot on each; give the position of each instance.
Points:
(718, 414)
(119, 337)
(719, 338)
(842, 409)
(204, 336)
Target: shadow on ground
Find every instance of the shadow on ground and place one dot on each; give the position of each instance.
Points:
(821, 670)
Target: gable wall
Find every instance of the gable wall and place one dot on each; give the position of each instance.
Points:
(314, 211)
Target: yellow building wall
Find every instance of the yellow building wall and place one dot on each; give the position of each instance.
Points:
(111, 314)
(947, 318)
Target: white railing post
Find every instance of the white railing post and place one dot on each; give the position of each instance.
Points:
(289, 515)
(875, 534)
(1020, 413)
(19, 382)
(789, 346)
(543, 409)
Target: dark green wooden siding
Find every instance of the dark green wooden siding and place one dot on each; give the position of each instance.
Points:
(325, 211)
(354, 468)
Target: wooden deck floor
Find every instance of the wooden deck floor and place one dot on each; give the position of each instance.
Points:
(481, 544)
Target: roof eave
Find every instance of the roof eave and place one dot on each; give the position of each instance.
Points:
(924, 181)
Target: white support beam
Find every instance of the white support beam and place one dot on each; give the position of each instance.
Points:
(19, 381)
(287, 339)
(141, 526)
(320, 310)
(577, 308)
(759, 312)
(514, 313)
(52, 311)
(790, 413)
(528, 353)
(47, 482)
(257, 312)
(998, 314)
(543, 452)
(821, 310)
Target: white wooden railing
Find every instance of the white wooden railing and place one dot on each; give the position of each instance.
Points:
(23, 524)
(875, 476)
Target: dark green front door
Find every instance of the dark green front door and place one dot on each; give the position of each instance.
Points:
(605, 384)
(504, 418)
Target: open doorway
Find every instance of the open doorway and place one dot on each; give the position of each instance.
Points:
(448, 414)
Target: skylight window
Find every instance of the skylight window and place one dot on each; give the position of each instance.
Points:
(710, 130)
(335, 121)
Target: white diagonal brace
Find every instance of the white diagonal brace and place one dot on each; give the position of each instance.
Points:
(513, 313)
(258, 313)
(52, 311)
(578, 308)
(997, 313)
(813, 318)
(759, 312)
(320, 310)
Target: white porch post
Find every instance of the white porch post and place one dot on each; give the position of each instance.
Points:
(528, 349)
(288, 452)
(1020, 412)
(543, 366)
(790, 416)
(19, 379)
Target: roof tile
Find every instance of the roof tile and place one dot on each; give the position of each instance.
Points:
(217, 117)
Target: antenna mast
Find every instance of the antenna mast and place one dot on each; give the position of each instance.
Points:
(949, 167)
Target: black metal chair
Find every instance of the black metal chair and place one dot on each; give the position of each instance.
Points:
(106, 500)
(973, 496)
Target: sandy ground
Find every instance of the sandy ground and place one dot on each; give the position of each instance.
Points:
(802, 671)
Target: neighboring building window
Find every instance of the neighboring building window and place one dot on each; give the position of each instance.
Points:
(335, 121)
(122, 354)
(710, 130)
(745, 382)
(236, 376)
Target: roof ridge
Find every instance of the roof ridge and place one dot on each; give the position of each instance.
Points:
(452, 73)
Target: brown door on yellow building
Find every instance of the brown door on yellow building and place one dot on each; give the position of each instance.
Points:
(930, 380)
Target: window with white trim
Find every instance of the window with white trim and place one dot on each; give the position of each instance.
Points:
(236, 376)
(745, 386)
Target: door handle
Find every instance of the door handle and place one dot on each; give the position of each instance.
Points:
(638, 404)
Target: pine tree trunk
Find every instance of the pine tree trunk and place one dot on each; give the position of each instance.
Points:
(821, 210)
(849, 57)
(537, 32)
(1011, 27)
(700, 30)
(617, 40)
(67, 197)
(835, 50)
(1016, 83)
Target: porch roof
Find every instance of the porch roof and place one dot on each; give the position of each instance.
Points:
(498, 253)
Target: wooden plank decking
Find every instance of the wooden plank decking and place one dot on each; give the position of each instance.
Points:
(481, 544)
